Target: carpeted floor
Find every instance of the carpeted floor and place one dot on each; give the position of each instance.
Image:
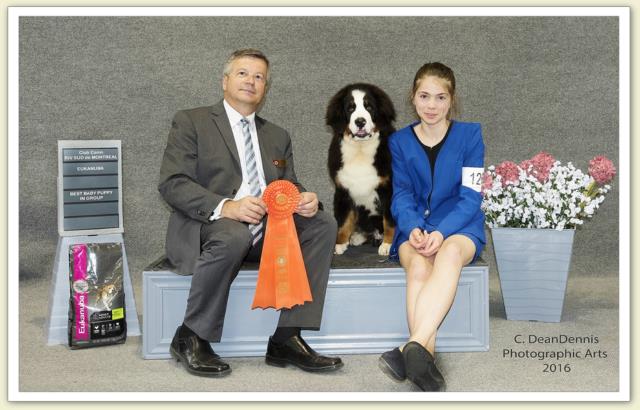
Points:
(590, 312)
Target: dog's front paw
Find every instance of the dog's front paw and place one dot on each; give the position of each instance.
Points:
(340, 248)
(357, 239)
(384, 248)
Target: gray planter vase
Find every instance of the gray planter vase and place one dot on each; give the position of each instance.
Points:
(533, 265)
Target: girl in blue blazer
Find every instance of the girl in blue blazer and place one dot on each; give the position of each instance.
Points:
(437, 168)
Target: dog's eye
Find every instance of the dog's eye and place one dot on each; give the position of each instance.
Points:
(368, 107)
(351, 107)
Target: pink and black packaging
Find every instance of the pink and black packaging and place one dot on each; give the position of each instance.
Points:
(97, 314)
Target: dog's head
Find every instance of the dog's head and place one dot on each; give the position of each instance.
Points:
(360, 111)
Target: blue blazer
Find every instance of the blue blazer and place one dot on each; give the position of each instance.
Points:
(453, 208)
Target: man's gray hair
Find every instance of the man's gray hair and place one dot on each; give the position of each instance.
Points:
(245, 52)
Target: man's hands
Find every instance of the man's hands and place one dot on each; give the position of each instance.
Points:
(248, 209)
(308, 205)
(251, 209)
(426, 244)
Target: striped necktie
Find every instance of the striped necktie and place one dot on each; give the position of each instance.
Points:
(252, 175)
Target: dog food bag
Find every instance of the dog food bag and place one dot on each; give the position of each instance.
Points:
(96, 302)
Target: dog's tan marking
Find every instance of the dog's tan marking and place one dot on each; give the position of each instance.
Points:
(345, 231)
(388, 231)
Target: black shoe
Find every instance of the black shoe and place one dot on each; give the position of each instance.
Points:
(392, 363)
(297, 352)
(196, 354)
(421, 368)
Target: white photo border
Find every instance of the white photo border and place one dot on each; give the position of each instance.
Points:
(623, 13)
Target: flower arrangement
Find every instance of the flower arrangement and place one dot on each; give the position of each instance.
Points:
(542, 193)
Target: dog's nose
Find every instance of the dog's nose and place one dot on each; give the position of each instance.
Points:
(360, 122)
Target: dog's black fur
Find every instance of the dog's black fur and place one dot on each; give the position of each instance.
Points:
(361, 171)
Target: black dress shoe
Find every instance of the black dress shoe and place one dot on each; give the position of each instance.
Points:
(196, 354)
(297, 352)
(392, 363)
(421, 368)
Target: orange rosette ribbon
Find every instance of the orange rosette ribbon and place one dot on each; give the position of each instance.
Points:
(282, 277)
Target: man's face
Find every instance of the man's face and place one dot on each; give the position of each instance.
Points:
(244, 87)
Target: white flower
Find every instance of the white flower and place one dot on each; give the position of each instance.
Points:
(560, 202)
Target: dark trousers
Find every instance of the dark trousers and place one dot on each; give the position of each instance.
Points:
(226, 244)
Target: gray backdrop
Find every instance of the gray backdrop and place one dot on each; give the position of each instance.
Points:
(533, 82)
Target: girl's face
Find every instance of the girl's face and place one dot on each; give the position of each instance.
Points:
(432, 100)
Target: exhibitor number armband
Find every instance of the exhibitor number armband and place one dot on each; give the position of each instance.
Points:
(472, 177)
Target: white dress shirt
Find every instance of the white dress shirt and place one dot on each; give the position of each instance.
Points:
(236, 126)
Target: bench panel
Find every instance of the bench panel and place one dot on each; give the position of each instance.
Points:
(364, 312)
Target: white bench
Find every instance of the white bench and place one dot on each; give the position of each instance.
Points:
(364, 310)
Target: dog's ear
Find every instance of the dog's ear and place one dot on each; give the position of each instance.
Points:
(336, 117)
(386, 111)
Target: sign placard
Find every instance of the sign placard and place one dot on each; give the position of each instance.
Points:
(89, 187)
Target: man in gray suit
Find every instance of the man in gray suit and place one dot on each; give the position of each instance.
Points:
(217, 162)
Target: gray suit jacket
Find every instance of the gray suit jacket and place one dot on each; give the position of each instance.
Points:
(201, 167)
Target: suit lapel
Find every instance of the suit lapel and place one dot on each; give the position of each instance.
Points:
(415, 147)
(219, 117)
(265, 151)
(445, 158)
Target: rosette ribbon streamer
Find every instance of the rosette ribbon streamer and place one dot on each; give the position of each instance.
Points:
(282, 277)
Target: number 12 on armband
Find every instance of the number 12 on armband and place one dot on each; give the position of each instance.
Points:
(472, 177)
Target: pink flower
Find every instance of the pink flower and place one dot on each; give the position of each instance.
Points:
(601, 169)
(527, 165)
(487, 182)
(508, 171)
(543, 160)
(542, 163)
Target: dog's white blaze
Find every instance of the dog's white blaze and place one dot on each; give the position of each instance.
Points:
(360, 112)
(358, 174)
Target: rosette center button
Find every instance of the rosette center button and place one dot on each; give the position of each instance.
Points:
(281, 199)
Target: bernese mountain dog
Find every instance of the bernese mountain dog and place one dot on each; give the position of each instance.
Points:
(361, 116)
